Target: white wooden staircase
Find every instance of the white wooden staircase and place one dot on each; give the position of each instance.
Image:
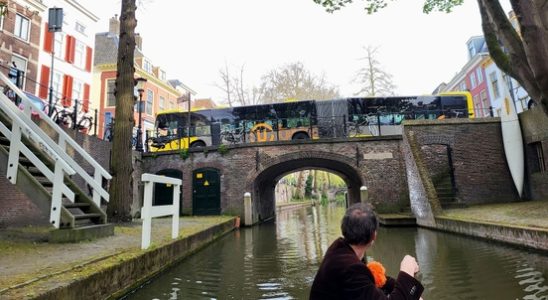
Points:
(40, 167)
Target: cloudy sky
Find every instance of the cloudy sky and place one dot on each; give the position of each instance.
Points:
(192, 40)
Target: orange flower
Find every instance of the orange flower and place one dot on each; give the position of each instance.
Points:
(379, 273)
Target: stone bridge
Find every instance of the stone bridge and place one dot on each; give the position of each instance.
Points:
(397, 170)
(256, 168)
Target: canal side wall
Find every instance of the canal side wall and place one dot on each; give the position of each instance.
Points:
(532, 238)
(115, 281)
(480, 171)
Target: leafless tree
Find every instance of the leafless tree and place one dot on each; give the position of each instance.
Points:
(294, 81)
(373, 79)
(235, 88)
(226, 84)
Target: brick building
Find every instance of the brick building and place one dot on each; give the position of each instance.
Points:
(159, 94)
(20, 30)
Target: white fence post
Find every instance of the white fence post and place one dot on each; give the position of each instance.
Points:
(175, 219)
(148, 211)
(145, 214)
(364, 195)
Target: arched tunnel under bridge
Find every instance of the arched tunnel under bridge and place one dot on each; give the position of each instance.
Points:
(265, 183)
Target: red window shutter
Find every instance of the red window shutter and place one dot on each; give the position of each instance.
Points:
(65, 84)
(85, 102)
(89, 56)
(48, 39)
(69, 53)
(44, 82)
(67, 49)
(72, 49)
(67, 91)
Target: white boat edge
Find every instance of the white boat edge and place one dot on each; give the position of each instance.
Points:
(513, 144)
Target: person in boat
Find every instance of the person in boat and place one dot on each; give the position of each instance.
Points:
(343, 274)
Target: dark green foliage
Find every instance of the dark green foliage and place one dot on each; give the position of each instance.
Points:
(184, 154)
(308, 186)
(222, 149)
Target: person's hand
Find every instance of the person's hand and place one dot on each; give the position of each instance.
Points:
(409, 265)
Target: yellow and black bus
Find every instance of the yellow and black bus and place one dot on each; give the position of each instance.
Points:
(310, 119)
(244, 124)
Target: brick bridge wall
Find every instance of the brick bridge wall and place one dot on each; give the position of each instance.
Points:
(375, 163)
(480, 169)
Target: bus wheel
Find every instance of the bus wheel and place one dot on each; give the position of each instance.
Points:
(197, 144)
(300, 136)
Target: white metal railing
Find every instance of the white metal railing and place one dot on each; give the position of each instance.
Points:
(59, 147)
(148, 211)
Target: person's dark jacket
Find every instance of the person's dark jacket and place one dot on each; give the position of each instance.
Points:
(343, 276)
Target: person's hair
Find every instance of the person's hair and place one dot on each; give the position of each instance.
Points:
(359, 224)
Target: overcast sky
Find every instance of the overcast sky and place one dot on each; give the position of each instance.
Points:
(192, 39)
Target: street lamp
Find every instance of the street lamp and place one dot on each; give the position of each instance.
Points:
(140, 84)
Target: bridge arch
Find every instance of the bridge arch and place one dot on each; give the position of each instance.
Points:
(265, 179)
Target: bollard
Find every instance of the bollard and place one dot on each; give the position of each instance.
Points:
(248, 217)
(363, 194)
(346, 199)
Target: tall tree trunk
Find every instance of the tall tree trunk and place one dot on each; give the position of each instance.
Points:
(533, 19)
(121, 189)
(315, 182)
(301, 178)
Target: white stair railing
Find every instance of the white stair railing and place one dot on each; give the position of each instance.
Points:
(18, 128)
(23, 124)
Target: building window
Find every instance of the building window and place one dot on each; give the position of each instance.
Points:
(80, 28)
(79, 54)
(18, 68)
(56, 85)
(494, 84)
(21, 27)
(472, 50)
(479, 76)
(463, 86)
(150, 100)
(77, 89)
(473, 83)
(111, 87)
(58, 44)
(485, 101)
(147, 66)
(161, 103)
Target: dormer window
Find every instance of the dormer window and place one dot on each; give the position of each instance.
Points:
(163, 75)
(471, 50)
(147, 66)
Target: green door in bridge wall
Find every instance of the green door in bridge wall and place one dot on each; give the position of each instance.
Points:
(163, 193)
(206, 192)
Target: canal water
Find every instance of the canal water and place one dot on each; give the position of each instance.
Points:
(278, 260)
